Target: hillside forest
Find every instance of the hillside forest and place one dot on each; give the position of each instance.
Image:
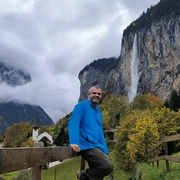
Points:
(139, 124)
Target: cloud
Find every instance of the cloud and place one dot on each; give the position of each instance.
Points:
(55, 40)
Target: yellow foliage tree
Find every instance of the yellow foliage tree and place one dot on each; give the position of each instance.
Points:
(145, 135)
(18, 134)
(167, 121)
(146, 122)
(138, 133)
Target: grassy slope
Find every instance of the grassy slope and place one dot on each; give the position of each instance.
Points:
(8, 176)
(67, 171)
(148, 172)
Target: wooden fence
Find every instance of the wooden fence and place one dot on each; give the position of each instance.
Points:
(154, 152)
(13, 159)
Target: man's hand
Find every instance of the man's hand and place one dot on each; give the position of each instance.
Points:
(75, 147)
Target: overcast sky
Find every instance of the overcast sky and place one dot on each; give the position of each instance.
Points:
(53, 40)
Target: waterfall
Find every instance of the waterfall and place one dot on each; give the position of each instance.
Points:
(134, 71)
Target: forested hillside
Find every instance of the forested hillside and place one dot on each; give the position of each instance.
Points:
(165, 8)
(11, 113)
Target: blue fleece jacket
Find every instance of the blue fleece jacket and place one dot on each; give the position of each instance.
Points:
(85, 127)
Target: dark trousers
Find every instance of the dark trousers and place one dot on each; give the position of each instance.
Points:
(99, 164)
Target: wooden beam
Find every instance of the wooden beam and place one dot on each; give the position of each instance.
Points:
(165, 157)
(172, 138)
(13, 159)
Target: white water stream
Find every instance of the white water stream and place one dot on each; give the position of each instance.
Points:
(134, 71)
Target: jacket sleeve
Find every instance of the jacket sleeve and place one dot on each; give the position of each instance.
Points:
(73, 124)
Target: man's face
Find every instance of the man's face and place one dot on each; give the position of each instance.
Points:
(95, 95)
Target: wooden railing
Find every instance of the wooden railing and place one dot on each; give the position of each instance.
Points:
(154, 152)
(13, 159)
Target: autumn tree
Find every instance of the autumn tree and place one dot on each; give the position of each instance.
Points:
(146, 122)
(18, 135)
(138, 132)
(146, 101)
(113, 108)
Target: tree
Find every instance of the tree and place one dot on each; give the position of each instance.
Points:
(138, 132)
(61, 138)
(113, 107)
(174, 102)
(146, 101)
(145, 135)
(18, 134)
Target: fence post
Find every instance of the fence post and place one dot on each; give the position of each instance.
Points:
(36, 171)
(166, 153)
(157, 155)
(82, 167)
(154, 155)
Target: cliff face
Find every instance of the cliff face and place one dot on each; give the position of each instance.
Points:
(97, 73)
(149, 61)
(157, 58)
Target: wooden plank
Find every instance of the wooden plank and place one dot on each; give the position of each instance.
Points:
(166, 139)
(165, 157)
(156, 159)
(172, 138)
(172, 158)
(13, 159)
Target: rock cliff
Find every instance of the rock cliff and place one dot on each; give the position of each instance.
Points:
(13, 77)
(149, 60)
(97, 73)
(158, 54)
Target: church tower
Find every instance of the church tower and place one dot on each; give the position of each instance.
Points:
(35, 127)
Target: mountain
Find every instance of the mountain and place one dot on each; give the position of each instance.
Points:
(98, 72)
(149, 57)
(11, 113)
(15, 112)
(13, 77)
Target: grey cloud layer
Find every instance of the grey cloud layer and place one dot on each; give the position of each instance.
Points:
(54, 40)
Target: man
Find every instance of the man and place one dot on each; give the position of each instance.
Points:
(86, 136)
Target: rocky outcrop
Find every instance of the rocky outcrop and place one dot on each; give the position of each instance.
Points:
(154, 46)
(97, 73)
(158, 53)
(13, 77)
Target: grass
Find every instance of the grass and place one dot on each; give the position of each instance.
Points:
(67, 171)
(8, 176)
(148, 172)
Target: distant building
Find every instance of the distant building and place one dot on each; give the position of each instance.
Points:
(35, 127)
(45, 135)
(42, 137)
